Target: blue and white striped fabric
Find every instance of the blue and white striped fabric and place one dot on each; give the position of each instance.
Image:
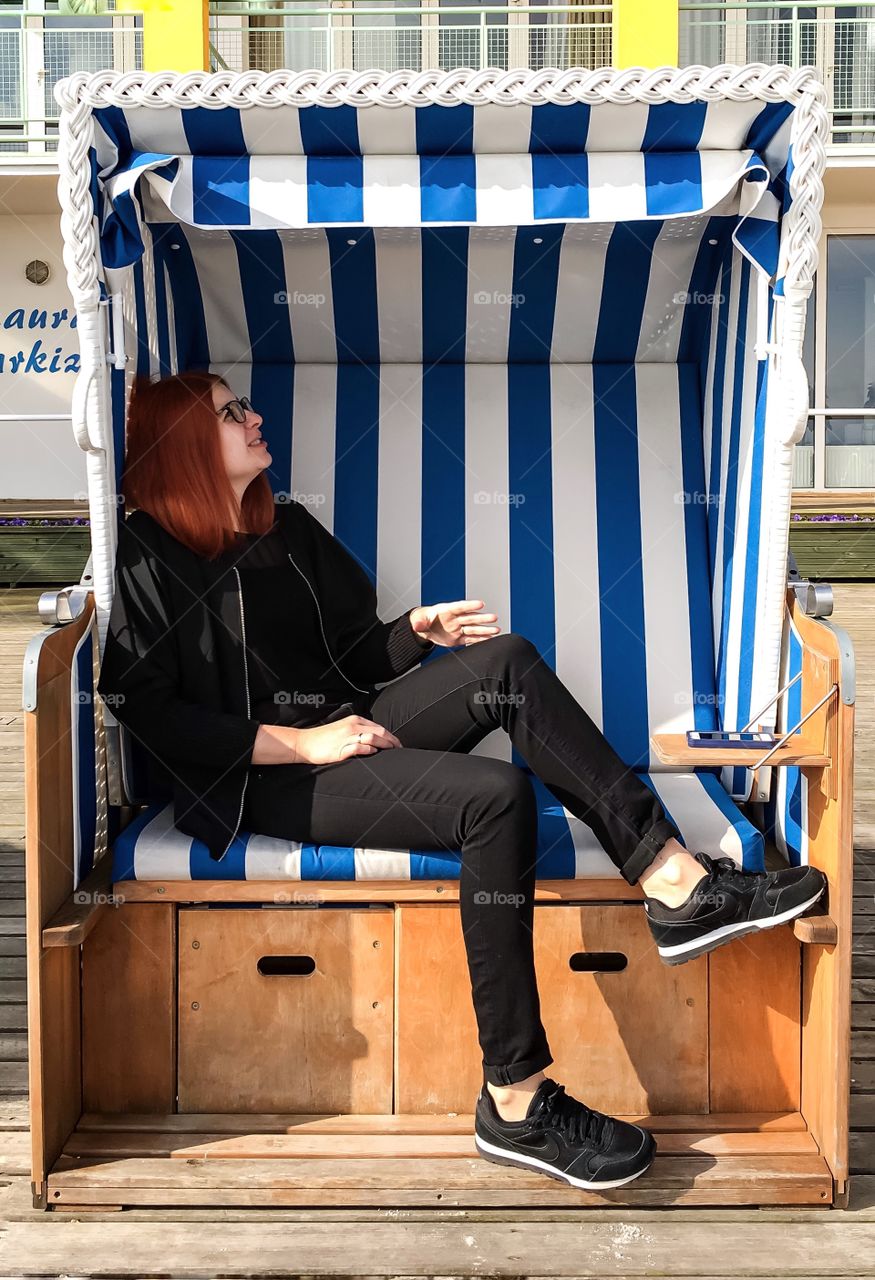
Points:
(461, 129)
(551, 344)
(574, 513)
(573, 294)
(151, 847)
(563, 367)
(404, 191)
(438, 166)
(82, 745)
(735, 388)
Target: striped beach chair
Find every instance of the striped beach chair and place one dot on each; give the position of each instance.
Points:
(546, 321)
(565, 310)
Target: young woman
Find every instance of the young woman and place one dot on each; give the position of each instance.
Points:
(243, 652)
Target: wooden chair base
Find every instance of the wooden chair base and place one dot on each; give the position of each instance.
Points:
(241, 1055)
(227, 1043)
(417, 1162)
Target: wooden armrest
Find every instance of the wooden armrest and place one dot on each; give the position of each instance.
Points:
(821, 929)
(672, 748)
(71, 925)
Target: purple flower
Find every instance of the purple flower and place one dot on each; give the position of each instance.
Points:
(833, 517)
(34, 522)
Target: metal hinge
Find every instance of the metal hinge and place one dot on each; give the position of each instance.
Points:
(115, 353)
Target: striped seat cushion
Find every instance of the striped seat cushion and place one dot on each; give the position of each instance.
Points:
(151, 848)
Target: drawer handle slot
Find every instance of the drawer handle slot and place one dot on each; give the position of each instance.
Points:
(285, 966)
(598, 961)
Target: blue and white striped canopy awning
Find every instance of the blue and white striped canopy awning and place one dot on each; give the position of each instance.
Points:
(259, 168)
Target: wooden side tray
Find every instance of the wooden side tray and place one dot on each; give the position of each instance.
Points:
(672, 748)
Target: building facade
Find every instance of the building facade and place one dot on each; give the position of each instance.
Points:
(43, 40)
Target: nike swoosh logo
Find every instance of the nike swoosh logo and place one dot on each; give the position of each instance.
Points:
(546, 1149)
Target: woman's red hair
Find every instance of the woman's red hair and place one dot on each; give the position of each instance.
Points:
(174, 468)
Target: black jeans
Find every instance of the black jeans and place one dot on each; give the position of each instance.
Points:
(432, 795)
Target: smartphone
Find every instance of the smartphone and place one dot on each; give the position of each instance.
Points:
(730, 738)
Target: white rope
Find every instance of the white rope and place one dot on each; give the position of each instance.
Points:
(803, 226)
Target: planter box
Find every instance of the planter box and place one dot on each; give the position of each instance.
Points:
(57, 554)
(844, 549)
(51, 554)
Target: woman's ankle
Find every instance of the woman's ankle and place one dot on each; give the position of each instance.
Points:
(512, 1100)
(672, 875)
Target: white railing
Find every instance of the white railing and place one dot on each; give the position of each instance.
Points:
(393, 36)
(39, 47)
(838, 39)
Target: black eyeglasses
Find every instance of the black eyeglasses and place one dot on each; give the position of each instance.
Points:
(238, 409)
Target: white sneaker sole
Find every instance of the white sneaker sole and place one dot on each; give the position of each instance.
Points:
(714, 939)
(500, 1155)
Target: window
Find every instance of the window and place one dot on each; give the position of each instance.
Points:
(803, 458)
(837, 450)
(838, 40)
(850, 363)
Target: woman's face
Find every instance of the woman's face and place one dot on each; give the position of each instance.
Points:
(244, 452)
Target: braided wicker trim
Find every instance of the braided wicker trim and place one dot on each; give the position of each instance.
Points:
(444, 88)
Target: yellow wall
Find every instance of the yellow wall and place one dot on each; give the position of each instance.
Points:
(175, 33)
(645, 33)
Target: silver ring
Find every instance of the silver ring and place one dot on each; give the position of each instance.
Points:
(360, 737)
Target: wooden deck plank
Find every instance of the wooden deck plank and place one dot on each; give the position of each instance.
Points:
(300, 1146)
(462, 1122)
(586, 1249)
(778, 1179)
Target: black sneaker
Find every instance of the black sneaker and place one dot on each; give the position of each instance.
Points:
(565, 1139)
(728, 903)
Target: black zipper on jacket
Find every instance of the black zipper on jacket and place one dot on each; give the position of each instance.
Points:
(248, 709)
(322, 629)
(246, 675)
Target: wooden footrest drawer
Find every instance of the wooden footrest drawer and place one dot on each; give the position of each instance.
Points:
(285, 1010)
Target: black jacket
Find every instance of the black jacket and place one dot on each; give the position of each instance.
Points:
(174, 664)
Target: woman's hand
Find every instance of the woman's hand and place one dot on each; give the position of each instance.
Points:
(323, 743)
(453, 623)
